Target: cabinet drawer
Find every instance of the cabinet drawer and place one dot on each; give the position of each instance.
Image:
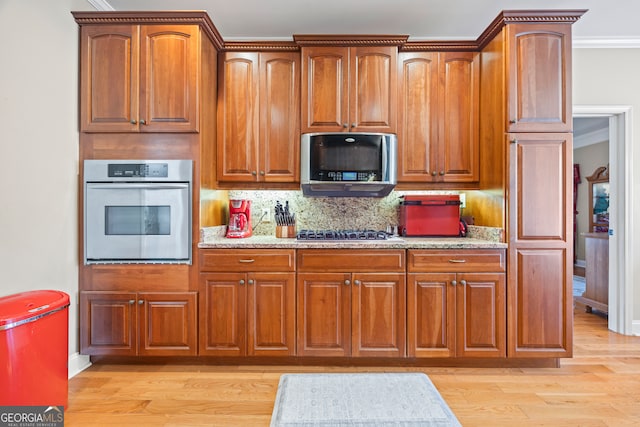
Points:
(480, 260)
(279, 260)
(343, 260)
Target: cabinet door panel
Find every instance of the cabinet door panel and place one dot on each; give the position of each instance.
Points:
(540, 180)
(109, 323)
(170, 75)
(271, 311)
(373, 88)
(540, 246)
(238, 117)
(109, 78)
(539, 87)
(168, 324)
(279, 116)
(540, 304)
(481, 315)
(431, 315)
(222, 319)
(458, 159)
(417, 116)
(324, 308)
(325, 88)
(378, 315)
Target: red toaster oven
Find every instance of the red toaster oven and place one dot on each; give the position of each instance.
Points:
(430, 215)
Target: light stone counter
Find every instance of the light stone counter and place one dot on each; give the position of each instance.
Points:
(213, 238)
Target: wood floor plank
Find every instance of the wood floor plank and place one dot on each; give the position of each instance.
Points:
(599, 386)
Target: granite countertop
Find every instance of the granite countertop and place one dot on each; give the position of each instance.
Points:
(213, 238)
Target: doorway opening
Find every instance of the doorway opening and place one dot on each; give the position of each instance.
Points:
(620, 291)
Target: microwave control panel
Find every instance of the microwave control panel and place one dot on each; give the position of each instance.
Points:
(349, 176)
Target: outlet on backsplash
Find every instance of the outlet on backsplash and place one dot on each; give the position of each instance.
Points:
(266, 215)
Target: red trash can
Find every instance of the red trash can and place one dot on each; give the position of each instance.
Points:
(34, 349)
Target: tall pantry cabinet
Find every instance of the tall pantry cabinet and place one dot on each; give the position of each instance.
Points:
(147, 90)
(526, 122)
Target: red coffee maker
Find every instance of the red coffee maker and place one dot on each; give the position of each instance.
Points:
(239, 218)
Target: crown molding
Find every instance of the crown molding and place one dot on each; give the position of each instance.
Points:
(605, 43)
(172, 17)
(590, 138)
(349, 39)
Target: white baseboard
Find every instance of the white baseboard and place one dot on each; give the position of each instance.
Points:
(580, 263)
(78, 363)
(635, 327)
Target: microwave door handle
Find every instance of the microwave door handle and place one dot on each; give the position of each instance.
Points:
(138, 186)
(385, 149)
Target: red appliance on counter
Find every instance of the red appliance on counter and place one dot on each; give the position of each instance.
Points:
(430, 215)
(239, 218)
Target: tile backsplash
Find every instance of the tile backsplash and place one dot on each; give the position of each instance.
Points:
(326, 213)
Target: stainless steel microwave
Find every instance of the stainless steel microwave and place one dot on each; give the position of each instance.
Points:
(348, 164)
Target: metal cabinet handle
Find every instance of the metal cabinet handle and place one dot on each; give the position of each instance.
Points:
(357, 282)
(142, 122)
(434, 173)
(261, 173)
(353, 125)
(463, 282)
(250, 281)
(454, 282)
(457, 261)
(514, 141)
(344, 125)
(247, 261)
(254, 173)
(241, 281)
(140, 301)
(131, 301)
(347, 282)
(441, 173)
(133, 122)
(512, 121)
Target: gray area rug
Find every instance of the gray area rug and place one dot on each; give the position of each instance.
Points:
(363, 399)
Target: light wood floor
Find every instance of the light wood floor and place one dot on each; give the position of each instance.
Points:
(599, 386)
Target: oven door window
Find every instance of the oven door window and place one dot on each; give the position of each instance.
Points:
(137, 222)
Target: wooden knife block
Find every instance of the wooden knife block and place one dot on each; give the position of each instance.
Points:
(285, 231)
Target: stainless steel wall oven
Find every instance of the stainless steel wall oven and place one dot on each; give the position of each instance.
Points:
(137, 211)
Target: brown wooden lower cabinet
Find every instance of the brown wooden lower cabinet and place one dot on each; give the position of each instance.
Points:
(351, 310)
(456, 304)
(138, 323)
(248, 302)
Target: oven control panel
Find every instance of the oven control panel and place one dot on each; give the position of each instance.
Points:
(138, 170)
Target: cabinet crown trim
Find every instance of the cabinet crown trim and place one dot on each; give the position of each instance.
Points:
(261, 46)
(349, 40)
(504, 18)
(172, 17)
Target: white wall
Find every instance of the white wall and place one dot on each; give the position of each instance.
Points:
(610, 77)
(39, 149)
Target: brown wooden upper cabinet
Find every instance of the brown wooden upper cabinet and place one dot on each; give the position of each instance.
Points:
(349, 89)
(139, 78)
(258, 117)
(438, 116)
(539, 77)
